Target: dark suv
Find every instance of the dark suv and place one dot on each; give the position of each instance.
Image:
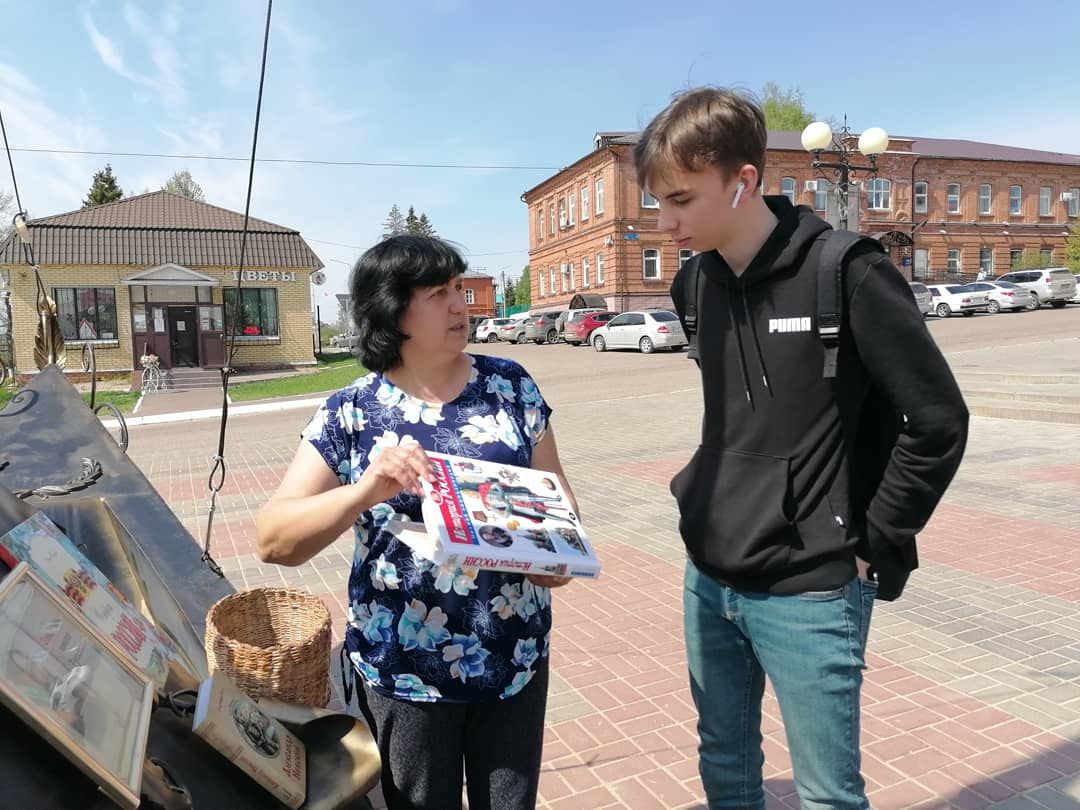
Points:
(543, 327)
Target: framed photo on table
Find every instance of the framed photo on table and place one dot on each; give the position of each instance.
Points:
(71, 686)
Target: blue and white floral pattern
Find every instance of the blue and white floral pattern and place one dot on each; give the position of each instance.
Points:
(416, 631)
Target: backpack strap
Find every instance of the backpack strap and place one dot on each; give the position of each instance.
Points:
(835, 246)
(691, 299)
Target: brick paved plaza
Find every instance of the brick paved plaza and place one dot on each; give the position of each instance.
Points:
(972, 697)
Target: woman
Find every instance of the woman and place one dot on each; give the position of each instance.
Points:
(453, 663)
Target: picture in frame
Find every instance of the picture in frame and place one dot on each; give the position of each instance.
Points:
(70, 685)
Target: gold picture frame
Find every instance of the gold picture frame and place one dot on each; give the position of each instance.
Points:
(67, 682)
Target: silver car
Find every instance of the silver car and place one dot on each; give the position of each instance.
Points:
(1050, 285)
(645, 330)
(1004, 295)
(923, 299)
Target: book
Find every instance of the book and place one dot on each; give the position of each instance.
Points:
(498, 517)
(252, 740)
(40, 543)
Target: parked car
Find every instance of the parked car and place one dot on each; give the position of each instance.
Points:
(345, 341)
(1076, 298)
(543, 327)
(1050, 285)
(950, 298)
(582, 324)
(922, 297)
(645, 330)
(512, 331)
(1004, 295)
(569, 314)
(488, 329)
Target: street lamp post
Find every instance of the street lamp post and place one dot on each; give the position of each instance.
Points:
(817, 139)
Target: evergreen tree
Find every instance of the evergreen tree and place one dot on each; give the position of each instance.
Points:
(412, 222)
(104, 189)
(394, 224)
(523, 289)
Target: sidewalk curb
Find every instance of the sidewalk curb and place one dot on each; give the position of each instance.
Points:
(214, 413)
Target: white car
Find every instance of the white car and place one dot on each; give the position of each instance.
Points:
(645, 330)
(950, 298)
(922, 296)
(1050, 285)
(1004, 295)
(487, 331)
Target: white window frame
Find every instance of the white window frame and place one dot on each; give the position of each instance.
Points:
(1015, 255)
(921, 270)
(821, 195)
(879, 194)
(1074, 203)
(470, 296)
(599, 207)
(922, 197)
(685, 255)
(952, 197)
(1016, 201)
(584, 203)
(543, 286)
(1048, 254)
(954, 261)
(562, 211)
(599, 269)
(787, 188)
(584, 272)
(553, 274)
(648, 200)
(540, 223)
(571, 208)
(986, 261)
(1044, 201)
(571, 276)
(563, 275)
(551, 208)
(986, 195)
(645, 260)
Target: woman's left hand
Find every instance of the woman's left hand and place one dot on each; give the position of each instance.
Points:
(545, 581)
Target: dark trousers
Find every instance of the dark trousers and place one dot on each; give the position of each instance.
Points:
(428, 748)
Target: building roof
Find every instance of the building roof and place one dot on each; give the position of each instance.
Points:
(158, 228)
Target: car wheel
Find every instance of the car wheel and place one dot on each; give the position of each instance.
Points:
(943, 311)
(645, 345)
(598, 343)
(492, 338)
(993, 308)
(519, 339)
(1034, 303)
(552, 336)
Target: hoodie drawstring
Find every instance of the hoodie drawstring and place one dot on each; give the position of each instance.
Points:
(757, 346)
(742, 354)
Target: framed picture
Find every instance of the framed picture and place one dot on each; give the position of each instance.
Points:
(67, 682)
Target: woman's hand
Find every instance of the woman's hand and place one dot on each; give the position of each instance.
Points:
(546, 581)
(394, 470)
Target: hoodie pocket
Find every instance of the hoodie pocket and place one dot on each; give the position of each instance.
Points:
(736, 510)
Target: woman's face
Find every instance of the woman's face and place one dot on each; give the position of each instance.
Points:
(436, 320)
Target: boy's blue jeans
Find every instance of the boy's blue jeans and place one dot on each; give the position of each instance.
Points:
(812, 648)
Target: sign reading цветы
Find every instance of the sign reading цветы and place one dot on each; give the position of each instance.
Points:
(264, 275)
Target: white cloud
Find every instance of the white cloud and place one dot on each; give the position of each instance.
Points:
(165, 81)
(106, 49)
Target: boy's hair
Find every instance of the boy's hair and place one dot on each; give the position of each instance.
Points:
(707, 126)
(381, 286)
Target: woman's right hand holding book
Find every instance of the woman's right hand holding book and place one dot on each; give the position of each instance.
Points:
(394, 470)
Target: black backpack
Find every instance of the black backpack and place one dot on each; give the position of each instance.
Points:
(878, 425)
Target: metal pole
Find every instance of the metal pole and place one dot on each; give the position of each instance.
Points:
(842, 191)
(318, 326)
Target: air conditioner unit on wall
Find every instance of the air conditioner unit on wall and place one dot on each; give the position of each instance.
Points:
(810, 185)
(1066, 196)
(608, 241)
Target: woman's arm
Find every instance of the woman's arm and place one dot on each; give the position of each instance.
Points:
(311, 508)
(545, 456)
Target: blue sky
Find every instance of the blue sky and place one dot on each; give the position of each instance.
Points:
(491, 83)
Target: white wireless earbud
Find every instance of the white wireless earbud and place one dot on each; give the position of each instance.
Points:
(739, 189)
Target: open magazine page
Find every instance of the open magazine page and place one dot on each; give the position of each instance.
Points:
(508, 518)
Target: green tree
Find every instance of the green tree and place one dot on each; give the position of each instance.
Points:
(510, 294)
(424, 226)
(412, 222)
(104, 189)
(394, 224)
(785, 109)
(1031, 259)
(184, 184)
(523, 289)
(1072, 248)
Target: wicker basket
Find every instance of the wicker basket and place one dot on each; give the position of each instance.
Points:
(273, 642)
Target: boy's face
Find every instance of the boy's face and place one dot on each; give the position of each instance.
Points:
(695, 206)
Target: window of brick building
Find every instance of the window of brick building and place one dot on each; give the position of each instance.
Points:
(571, 211)
(821, 195)
(879, 194)
(584, 271)
(584, 203)
(86, 313)
(787, 188)
(599, 269)
(648, 200)
(470, 296)
(985, 199)
(986, 261)
(1015, 255)
(1074, 202)
(952, 198)
(922, 196)
(1044, 201)
(650, 263)
(600, 196)
(954, 261)
(1047, 255)
(684, 256)
(540, 223)
(1015, 200)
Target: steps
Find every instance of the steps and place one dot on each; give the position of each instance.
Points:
(1033, 397)
(190, 379)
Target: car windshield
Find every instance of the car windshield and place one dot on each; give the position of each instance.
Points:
(959, 288)
(1007, 285)
(919, 288)
(1060, 274)
(664, 316)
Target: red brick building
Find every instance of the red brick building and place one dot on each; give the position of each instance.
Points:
(944, 208)
(479, 294)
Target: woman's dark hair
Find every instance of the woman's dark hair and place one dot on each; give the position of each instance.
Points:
(381, 285)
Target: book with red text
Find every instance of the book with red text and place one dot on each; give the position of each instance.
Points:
(251, 739)
(497, 517)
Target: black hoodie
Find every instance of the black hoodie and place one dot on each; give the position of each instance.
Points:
(768, 502)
